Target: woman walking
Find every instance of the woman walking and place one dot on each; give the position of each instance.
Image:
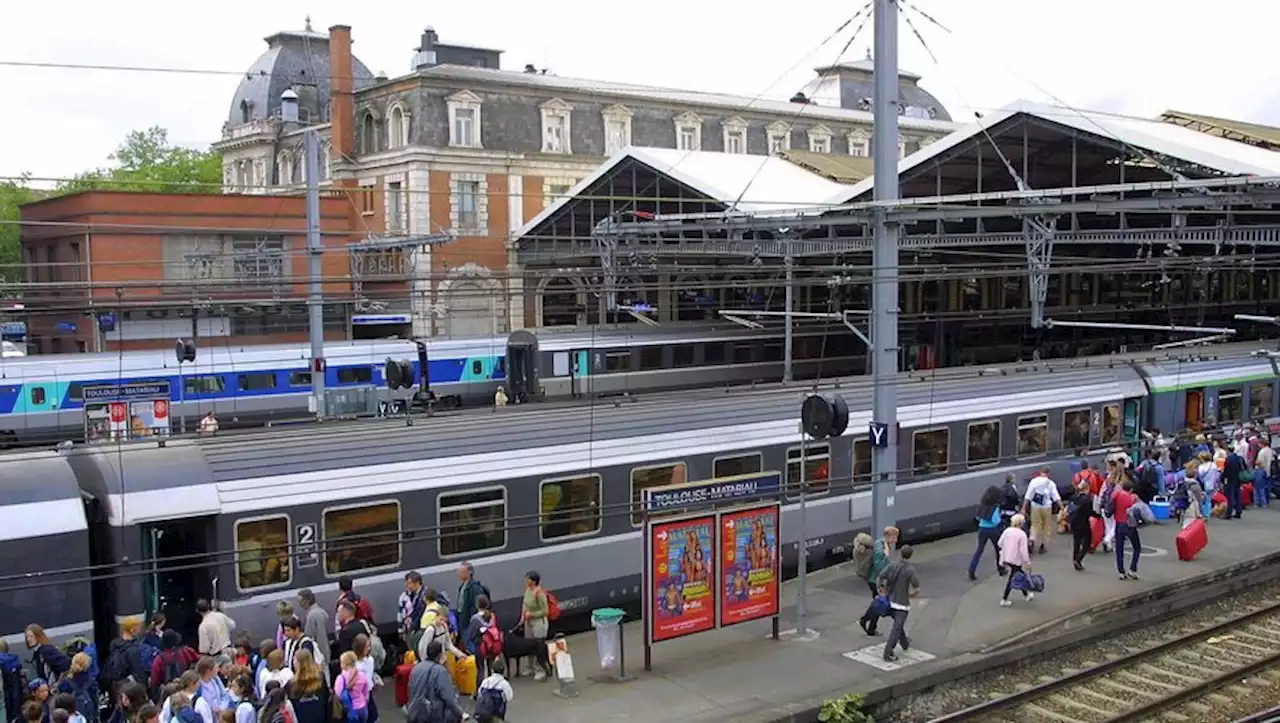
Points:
(1080, 515)
(989, 523)
(1016, 554)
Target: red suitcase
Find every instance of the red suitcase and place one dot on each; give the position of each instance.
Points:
(1246, 494)
(402, 684)
(1192, 540)
(1099, 529)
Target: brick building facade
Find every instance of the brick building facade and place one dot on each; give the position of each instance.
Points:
(109, 270)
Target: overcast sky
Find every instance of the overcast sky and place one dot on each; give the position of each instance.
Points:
(1131, 56)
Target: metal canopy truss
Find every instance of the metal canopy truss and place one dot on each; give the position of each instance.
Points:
(743, 317)
(1219, 331)
(1039, 232)
(1213, 339)
(384, 256)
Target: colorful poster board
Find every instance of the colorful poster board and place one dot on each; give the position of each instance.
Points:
(682, 589)
(118, 412)
(750, 571)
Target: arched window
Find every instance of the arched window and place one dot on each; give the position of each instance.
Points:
(397, 128)
(284, 168)
(328, 112)
(368, 134)
(300, 167)
(326, 157)
(246, 111)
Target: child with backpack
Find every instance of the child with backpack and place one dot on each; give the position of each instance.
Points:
(494, 693)
(82, 685)
(352, 688)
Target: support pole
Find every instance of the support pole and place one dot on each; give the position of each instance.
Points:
(802, 559)
(884, 306)
(789, 261)
(315, 250)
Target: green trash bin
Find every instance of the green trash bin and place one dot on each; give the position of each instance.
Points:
(608, 625)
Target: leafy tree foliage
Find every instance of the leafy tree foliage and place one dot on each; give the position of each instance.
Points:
(147, 161)
(12, 195)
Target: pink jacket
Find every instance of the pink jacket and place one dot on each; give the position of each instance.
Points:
(359, 688)
(1013, 547)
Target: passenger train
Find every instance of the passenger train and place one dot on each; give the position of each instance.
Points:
(44, 398)
(546, 488)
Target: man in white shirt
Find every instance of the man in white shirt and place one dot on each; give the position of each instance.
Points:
(1042, 493)
(215, 629)
(1262, 474)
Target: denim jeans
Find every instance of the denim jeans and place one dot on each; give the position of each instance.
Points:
(1125, 533)
(1261, 488)
(1235, 500)
(899, 633)
(985, 535)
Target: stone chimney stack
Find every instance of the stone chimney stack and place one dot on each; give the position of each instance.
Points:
(341, 83)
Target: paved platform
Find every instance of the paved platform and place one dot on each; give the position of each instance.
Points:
(739, 674)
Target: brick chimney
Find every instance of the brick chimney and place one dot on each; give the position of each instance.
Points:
(341, 82)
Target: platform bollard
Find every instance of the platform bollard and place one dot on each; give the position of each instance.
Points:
(559, 652)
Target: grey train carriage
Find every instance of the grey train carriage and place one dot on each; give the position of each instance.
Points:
(548, 488)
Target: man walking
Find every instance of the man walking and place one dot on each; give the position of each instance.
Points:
(900, 582)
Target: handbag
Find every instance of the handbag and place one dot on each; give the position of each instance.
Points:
(880, 606)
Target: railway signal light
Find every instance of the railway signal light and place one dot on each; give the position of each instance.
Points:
(399, 374)
(185, 350)
(823, 417)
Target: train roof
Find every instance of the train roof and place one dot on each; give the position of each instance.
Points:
(41, 496)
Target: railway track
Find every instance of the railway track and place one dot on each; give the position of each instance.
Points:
(1173, 680)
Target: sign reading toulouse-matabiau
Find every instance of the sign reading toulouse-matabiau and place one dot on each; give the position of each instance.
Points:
(727, 489)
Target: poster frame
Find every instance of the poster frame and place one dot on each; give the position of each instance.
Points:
(776, 509)
(648, 589)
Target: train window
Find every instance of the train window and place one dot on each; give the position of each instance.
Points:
(861, 462)
(257, 381)
(355, 375)
(500, 367)
(570, 507)
(477, 367)
(37, 395)
(473, 520)
(650, 357)
(741, 354)
(929, 450)
(984, 443)
(75, 391)
(1033, 435)
(1076, 425)
(1111, 424)
(1260, 402)
(772, 353)
(1230, 405)
(299, 379)
(204, 384)
(734, 466)
(376, 529)
(262, 552)
(817, 470)
(617, 361)
(682, 355)
(712, 354)
(642, 478)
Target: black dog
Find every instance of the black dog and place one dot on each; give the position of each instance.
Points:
(516, 647)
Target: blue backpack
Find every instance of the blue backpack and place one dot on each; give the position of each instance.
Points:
(86, 699)
(490, 704)
(82, 645)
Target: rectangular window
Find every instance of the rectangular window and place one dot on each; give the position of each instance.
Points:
(984, 443)
(376, 532)
(257, 381)
(355, 375)
(929, 451)
(262, 553)
(859, 147)
(682, 355)
(1260, 401)
(75, 391)
(1230, 405)
(464, 127)
(712, 354)
(299, 379)
(687, 139)
(734, 466)
(1076, 427)
(642, 478)
(556, 191)
(553, 134)
(617, 361)
(570, 507)
(395, 206)
(650, 357)
(205, 384)
(615, 136)
(1111, 429)
(1033, 435)
(467, 203)
(777, 142)
(735, 142)
(472, 521)
(817, 470)
(258, 260)
(861, 462)
(366, 200)
(820, 145)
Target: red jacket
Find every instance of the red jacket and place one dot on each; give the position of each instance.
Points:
(1094, 479)
(186, 657)
(1123, 501)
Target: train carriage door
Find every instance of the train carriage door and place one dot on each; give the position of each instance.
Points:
(1194, 406)
(522, 366)
(1132, 420)
(580, 370)
(179, 571)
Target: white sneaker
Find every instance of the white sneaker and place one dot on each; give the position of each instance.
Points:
(539, 676)
(1006, 603)
(1031, 596)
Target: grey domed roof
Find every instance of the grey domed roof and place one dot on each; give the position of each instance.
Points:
(300, 56)
(852, 83)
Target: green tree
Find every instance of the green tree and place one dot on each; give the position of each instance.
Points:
(147, 161)
(12, 195)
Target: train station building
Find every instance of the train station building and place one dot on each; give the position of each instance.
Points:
(966, 294)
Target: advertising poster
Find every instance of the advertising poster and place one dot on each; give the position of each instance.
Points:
(683, 592)
(749, 569)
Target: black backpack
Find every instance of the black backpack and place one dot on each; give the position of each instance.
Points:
(1148, 477)
(490, 704)
(86, 700)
